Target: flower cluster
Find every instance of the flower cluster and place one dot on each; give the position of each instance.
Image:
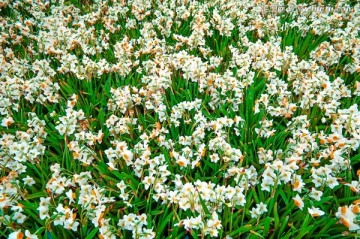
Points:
(135, 224)
(145, 118)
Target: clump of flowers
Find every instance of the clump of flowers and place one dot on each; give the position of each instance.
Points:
(163, 119)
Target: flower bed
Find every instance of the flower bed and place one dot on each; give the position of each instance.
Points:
(179, 119)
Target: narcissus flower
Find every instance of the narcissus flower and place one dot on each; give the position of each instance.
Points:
(315, 194)
(347, 215)
(315, 212)
(298, 202)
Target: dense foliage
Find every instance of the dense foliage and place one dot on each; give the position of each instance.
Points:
(179, 119)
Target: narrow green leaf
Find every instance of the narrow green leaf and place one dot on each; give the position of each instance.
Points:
(276, 217)
(266, 222)
(92, 233)
(240, 230)
(162, 226)
(257, 234)
(36, 195)
(283, 226)
(206, 210)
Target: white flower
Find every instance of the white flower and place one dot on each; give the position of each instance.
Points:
(315, 194)
(347, 215)
(262, 207)
(71, 196)
(354, 186)
(255, 212)
(16, 235)
(29, 235)
(29, 180)
(315, 212)
(19, 217)
(298, 201)
(44, 207)
(7, 121)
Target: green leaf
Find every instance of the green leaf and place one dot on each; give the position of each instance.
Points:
(156, 212)
(193, 233)
(304, 231)
(36, 195)
(92, 233)
(355, 160)
(283, 226)
(163, 223)
(206, 210)
(266, 222)
(242, 229)
(257, 234)
(276, 217)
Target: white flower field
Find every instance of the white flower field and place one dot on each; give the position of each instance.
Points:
(179, 119)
